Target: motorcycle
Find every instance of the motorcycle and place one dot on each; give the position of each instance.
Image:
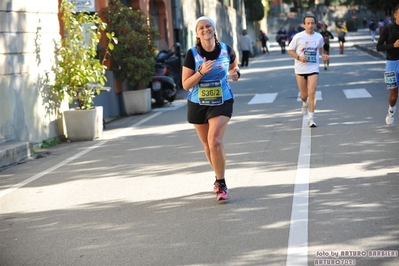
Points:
(173, 62)
(167, 78)
(162, 85)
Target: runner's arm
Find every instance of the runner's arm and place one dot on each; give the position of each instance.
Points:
(382, 41)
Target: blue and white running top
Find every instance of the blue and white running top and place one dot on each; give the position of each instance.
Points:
(213, 88)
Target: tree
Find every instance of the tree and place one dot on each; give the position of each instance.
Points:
(304, 4)
(381, 5)
(343, 2)
(255, 10)
(133, 57)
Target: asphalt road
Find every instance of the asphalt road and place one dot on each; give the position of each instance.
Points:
(142, 194)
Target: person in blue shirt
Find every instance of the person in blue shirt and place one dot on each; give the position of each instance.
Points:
(291, 34)
(210, 99)
(281, 38)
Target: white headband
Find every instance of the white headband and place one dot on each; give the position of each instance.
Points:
(206, 19)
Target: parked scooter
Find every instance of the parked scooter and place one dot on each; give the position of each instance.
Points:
(173, 62)
(162, 85)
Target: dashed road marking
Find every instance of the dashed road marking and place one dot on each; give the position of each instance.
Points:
(263, 98)
(318, 96)
(357, 93)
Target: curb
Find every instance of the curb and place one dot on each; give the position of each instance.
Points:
(372, 52)
(13, 152)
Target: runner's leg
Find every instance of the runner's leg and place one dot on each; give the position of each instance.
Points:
(311, 88)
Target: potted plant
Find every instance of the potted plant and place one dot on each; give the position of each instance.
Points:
(79, 73)
(133, 59)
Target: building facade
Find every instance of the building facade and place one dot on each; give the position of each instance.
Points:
(30, 33)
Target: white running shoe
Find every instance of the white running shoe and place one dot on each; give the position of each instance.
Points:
(311, 122)
(304, 108)
(390, 119)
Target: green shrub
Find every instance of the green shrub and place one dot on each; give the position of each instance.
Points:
(132, 60)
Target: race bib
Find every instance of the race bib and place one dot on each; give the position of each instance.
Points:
(390, 80)
(210, 93)
(310, 56)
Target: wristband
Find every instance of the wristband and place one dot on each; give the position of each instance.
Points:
(297, 58)
(199, 71)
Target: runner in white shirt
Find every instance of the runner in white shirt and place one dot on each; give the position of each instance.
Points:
(306, 47)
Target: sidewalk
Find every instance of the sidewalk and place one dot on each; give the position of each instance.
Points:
(370, 49)
(12, 153)
(361, 40)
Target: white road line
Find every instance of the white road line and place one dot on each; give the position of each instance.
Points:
(123, 131)
(263, 98)
(76, 156)
(318, 96)
(171, 106)
(297, 252)
(357, 93)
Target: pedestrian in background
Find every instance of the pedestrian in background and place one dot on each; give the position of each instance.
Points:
(372, 28)
(245, 45)
(291, 34)
(264, 39)
(327, 35)
(210, 98)
(281, 38)
(341, 33)
(306, 47)
(389, 42)
(387, 20)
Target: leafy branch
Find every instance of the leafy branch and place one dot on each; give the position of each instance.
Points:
(79, 73)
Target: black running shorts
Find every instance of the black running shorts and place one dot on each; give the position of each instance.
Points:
(326, 47)
(305, 76)
(200, 114)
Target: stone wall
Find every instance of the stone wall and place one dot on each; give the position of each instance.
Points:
(229, 22)
(29, 33)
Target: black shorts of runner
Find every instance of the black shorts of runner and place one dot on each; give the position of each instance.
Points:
(326, 47)
(305, 76)
(200, 114)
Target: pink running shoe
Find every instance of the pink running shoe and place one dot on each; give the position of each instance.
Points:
(222, 193)
(216, 187)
